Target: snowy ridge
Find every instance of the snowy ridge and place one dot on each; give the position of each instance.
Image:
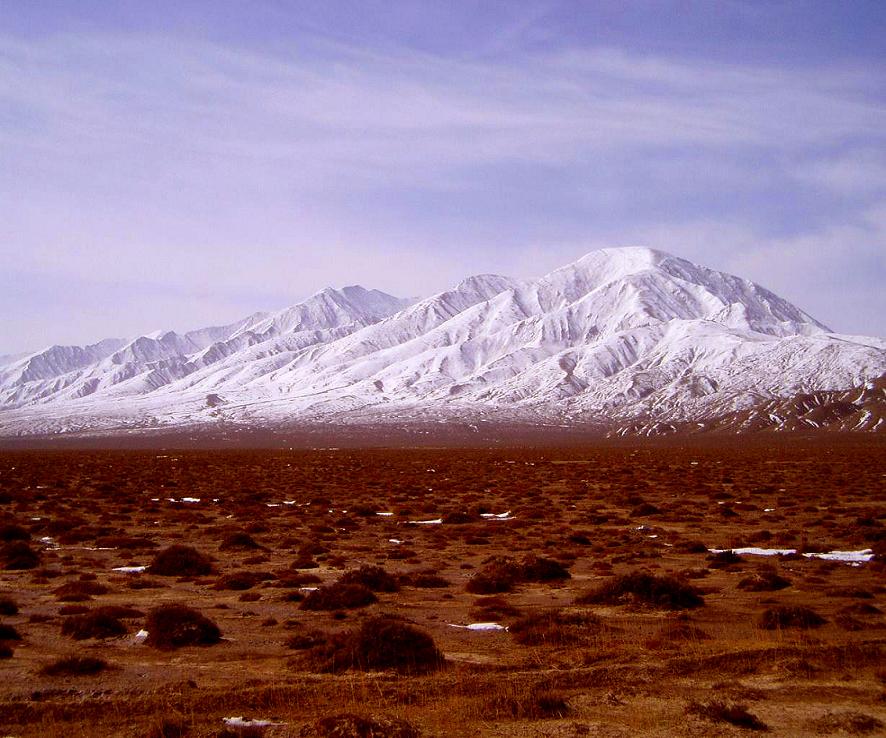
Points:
(631, 338)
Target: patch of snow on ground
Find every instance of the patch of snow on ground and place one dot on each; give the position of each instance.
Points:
(130, 569)
(848, 556)
(754, 551)
(479, 626)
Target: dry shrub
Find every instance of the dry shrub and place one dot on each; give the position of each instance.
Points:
(240, 541)
(338, 596)
(140, 582)
(94, 624)
(726, 712)
(180, 561)
(289, 579)
(555, 628)
(11, 532)
(540, 569)
(496, 577)
(6, 651)
(75, 666)
(304, 641)
(379, 644)
(790, 616)
(642, 588)
(675, 634)
(238, 580)
(18, 556)
(372, 577)
(525, 703)
(766, 579)
(174, 625)
(724, 559)
(79, 591)
(8, 606)
(423, 580)
(9, 633)
(492, 608)
(169, 727)
(850, 723)
(347, 725)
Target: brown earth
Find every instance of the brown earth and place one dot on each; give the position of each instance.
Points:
(619, 665)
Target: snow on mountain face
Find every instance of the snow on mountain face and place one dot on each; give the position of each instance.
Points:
(628, 336)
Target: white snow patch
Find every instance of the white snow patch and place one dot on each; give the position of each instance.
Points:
(435, 521)
(130, 569)
(479, 626)
(243, 722)
(848, 556)
(754, 551)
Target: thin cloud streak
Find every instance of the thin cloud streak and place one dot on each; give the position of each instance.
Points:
(222, 170)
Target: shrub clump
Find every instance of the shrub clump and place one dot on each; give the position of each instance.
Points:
(180, 561)
(240, 541)
(790, 616)
(94, 624)
(381, 643)
(12, 532)
(502, 574)
(338, 596)
(75, 666)
(9, 633)
(79, 591)
(725, 712)
(555, 628)
(641, 588)
(18, 556)
(526, 703)
(8, 606)
(372, 577)
(764, 580)
(348, 725)
(174, 626)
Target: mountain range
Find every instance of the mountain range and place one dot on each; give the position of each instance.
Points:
(627, 340)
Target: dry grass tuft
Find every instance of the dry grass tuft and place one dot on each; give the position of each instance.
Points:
(338, 596)
(75, 666)
(380, 644)
(180, 561)
(726, 712)
(348, 725)
(8, 606)
(555, 628)
(18, 556)
(94, 624)
(790, 616)
(641, 588)
(373, 578)
(174, 626)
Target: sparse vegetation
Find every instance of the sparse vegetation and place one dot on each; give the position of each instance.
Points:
(338, 596)
(175, 626)
(72, 666)
(627, 663)
(641, 588)
(180, 561)
(726, 712)
(790, 616)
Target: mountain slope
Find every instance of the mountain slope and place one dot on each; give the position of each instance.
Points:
(627, 338)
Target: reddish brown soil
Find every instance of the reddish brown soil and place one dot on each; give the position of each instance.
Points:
(616, 669)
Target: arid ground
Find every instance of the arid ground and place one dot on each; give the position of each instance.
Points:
(333, 582)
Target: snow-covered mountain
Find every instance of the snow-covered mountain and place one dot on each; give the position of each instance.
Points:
(630, 338)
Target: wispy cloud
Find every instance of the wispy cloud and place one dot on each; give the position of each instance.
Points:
(220, 168)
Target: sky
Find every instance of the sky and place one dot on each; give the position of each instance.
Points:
(182, 164)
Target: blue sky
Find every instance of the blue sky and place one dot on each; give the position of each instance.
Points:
(177, 164)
